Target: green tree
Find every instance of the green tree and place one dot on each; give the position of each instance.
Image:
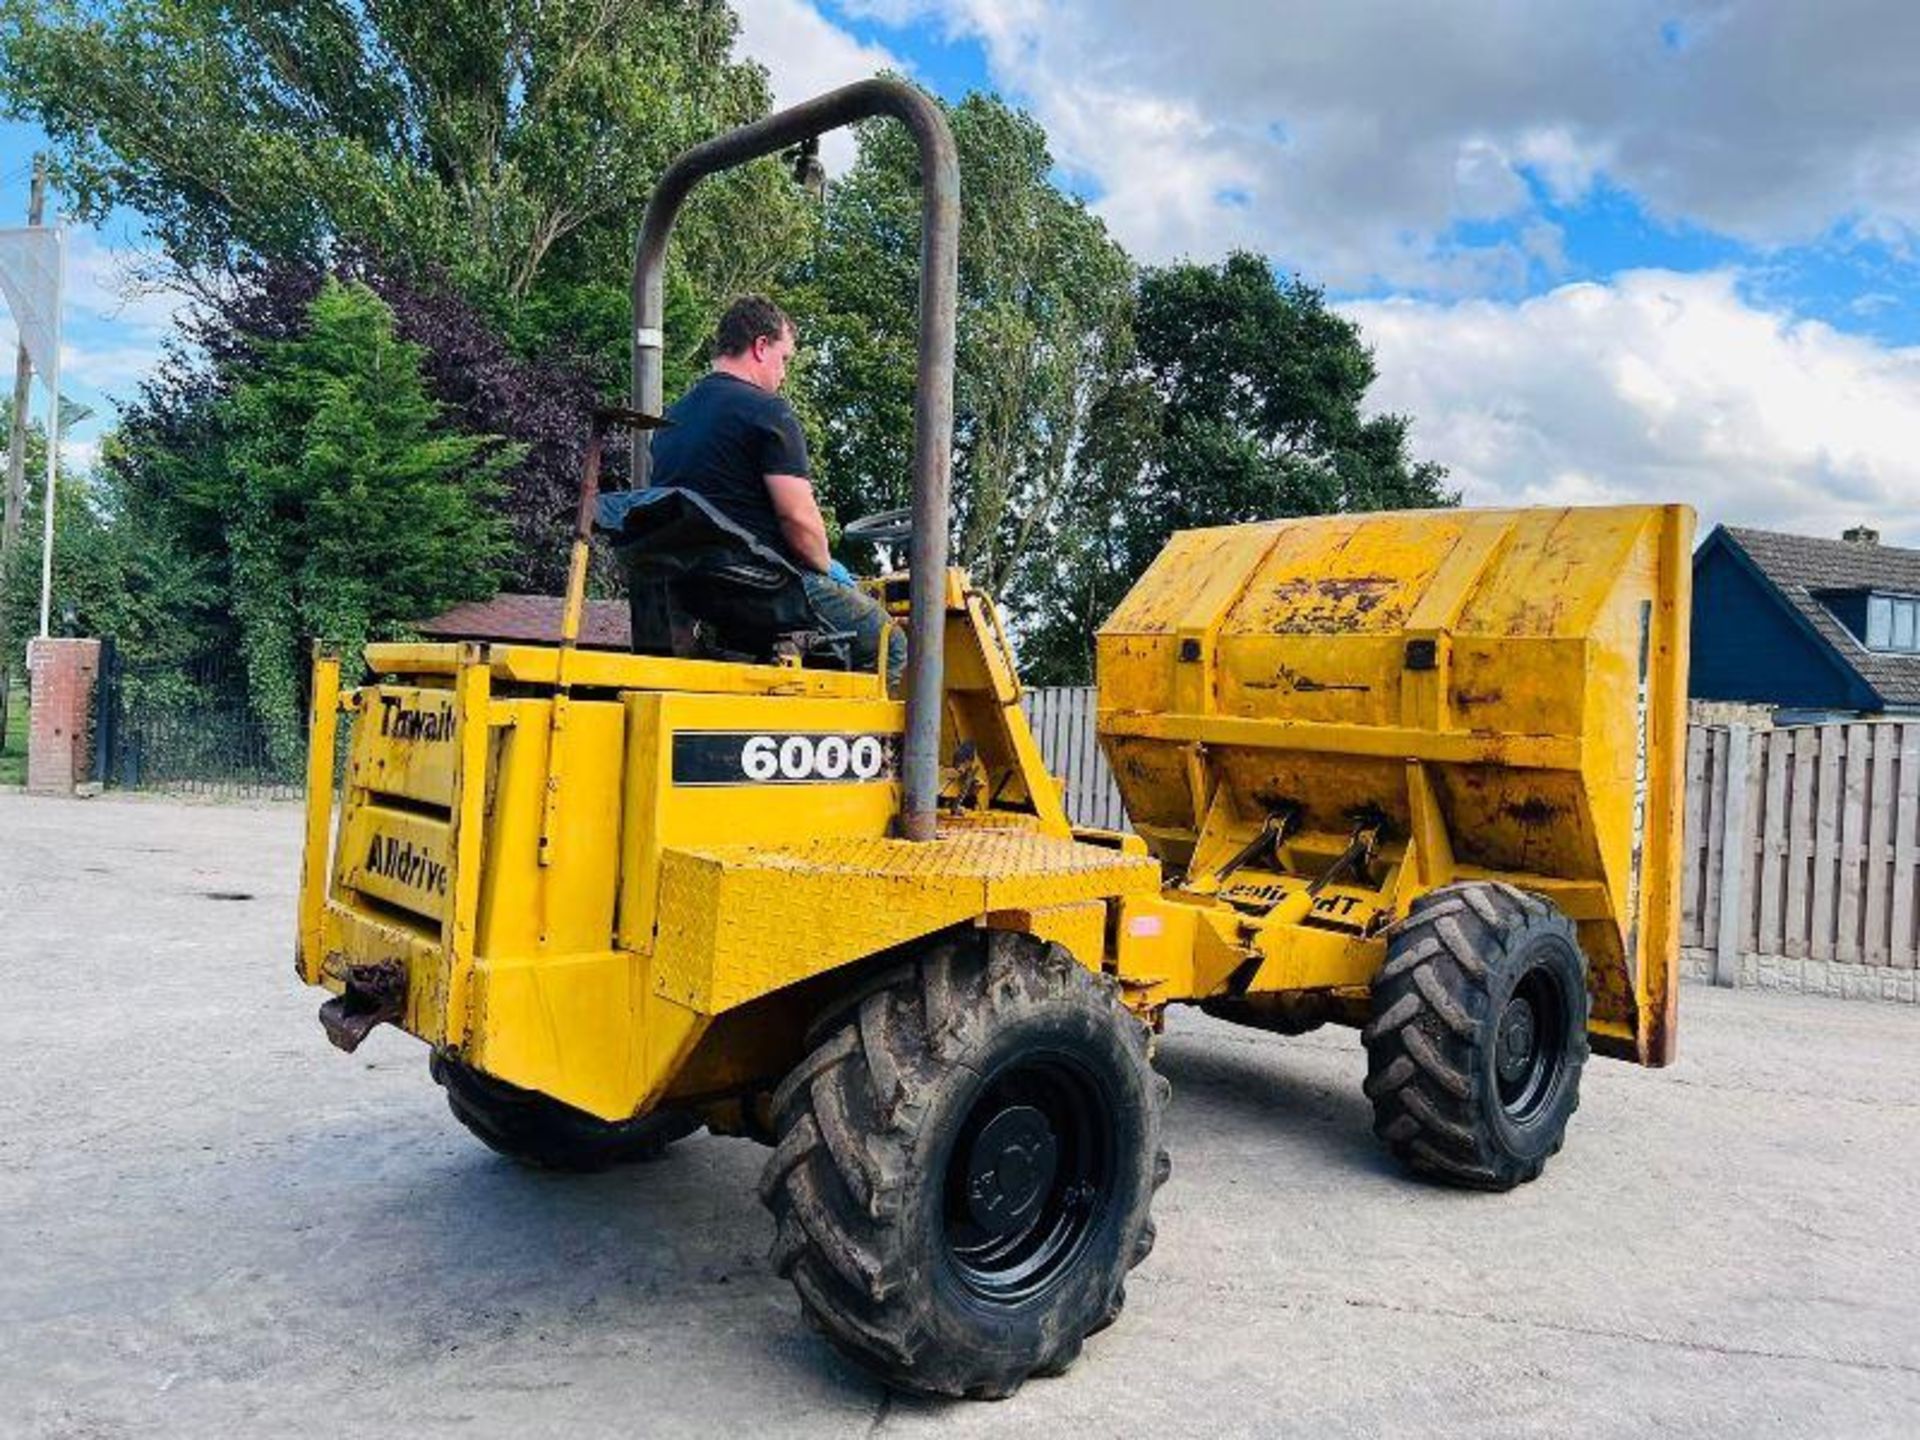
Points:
(343, 511)
(511, 146)
(1244, 402)
(1044, 298)
(20, 597)
(110, 577)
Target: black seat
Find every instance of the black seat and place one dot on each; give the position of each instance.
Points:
(700, 585)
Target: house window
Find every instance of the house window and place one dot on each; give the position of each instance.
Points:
(1893, 623)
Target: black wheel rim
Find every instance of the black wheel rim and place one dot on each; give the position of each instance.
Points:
(1530, 1045)
(1028, 1178)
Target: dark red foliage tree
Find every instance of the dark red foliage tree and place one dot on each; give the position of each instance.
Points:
(484, 386)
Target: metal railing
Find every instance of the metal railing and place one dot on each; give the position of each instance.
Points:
(183, 727)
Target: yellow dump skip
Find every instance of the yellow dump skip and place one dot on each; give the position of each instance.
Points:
(1513, 680)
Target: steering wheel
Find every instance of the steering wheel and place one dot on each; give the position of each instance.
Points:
(883, 527)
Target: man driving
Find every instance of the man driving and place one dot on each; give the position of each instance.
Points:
(734, 441)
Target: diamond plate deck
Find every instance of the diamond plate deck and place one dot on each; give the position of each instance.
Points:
(737, 922)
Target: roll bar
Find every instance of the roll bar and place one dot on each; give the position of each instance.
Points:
(933, 390)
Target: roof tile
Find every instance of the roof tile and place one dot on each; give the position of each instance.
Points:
(531, 619)
(1801, 567)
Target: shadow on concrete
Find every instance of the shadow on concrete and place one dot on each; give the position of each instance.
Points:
(380, 1235)
(442, 1249)
(1257, 1088)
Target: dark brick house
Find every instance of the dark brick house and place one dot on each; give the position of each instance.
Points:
(1817, 629)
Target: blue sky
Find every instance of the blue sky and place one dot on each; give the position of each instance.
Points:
(1656, 249)
(1633, 251)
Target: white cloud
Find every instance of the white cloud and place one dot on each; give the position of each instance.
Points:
(105, 283)
(80, 455)
(106, 367)
(1358, 133)
(1347, 140)
(1659, 386)
(806, 55)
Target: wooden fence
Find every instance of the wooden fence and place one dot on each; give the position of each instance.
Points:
(1062, 721)
(1802, 845)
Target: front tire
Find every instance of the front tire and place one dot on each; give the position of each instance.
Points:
(1478, 1035)
(538, 1130)
(965, 1165)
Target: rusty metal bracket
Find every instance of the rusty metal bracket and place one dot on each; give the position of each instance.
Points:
(1357, 858)
(1273, 833)
(375, 995)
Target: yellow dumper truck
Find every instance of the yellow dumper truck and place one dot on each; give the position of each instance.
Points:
(1416, 773)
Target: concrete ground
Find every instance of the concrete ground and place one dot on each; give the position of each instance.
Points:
(213, 1224)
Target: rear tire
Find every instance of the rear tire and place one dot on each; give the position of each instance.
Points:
(965, 1167)
(538, 1130)
(1478, 1035)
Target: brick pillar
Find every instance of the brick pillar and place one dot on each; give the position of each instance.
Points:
(62, 673)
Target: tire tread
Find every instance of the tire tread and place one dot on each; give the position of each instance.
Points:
(1426, 1065)
(537, 1130)
(849, 1115)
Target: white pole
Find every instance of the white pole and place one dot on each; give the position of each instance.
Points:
(53, 429)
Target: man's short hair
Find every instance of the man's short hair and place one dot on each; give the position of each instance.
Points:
(750, 318)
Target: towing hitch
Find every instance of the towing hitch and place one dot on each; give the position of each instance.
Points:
(375, 995)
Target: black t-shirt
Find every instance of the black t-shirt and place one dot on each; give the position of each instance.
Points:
(727, 436)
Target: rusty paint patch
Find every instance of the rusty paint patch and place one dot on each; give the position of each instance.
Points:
(1364, 590)
(1532, 811)
(1467, 699)
(1273, 801)
(1285, 677)
(1330, 604)
(1540, 617)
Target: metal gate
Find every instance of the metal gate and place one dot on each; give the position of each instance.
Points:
(184, 726)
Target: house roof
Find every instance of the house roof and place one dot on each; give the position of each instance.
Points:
(1801, 567)
(531, 619)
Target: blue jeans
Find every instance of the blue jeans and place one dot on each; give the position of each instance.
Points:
(844, 608)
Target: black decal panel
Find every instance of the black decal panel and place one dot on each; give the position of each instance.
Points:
(764, 757)
(415, 717)
(400, 861)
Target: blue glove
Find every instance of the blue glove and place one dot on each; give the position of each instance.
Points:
(840, 575)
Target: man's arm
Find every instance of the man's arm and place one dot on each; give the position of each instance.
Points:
(800, 521)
